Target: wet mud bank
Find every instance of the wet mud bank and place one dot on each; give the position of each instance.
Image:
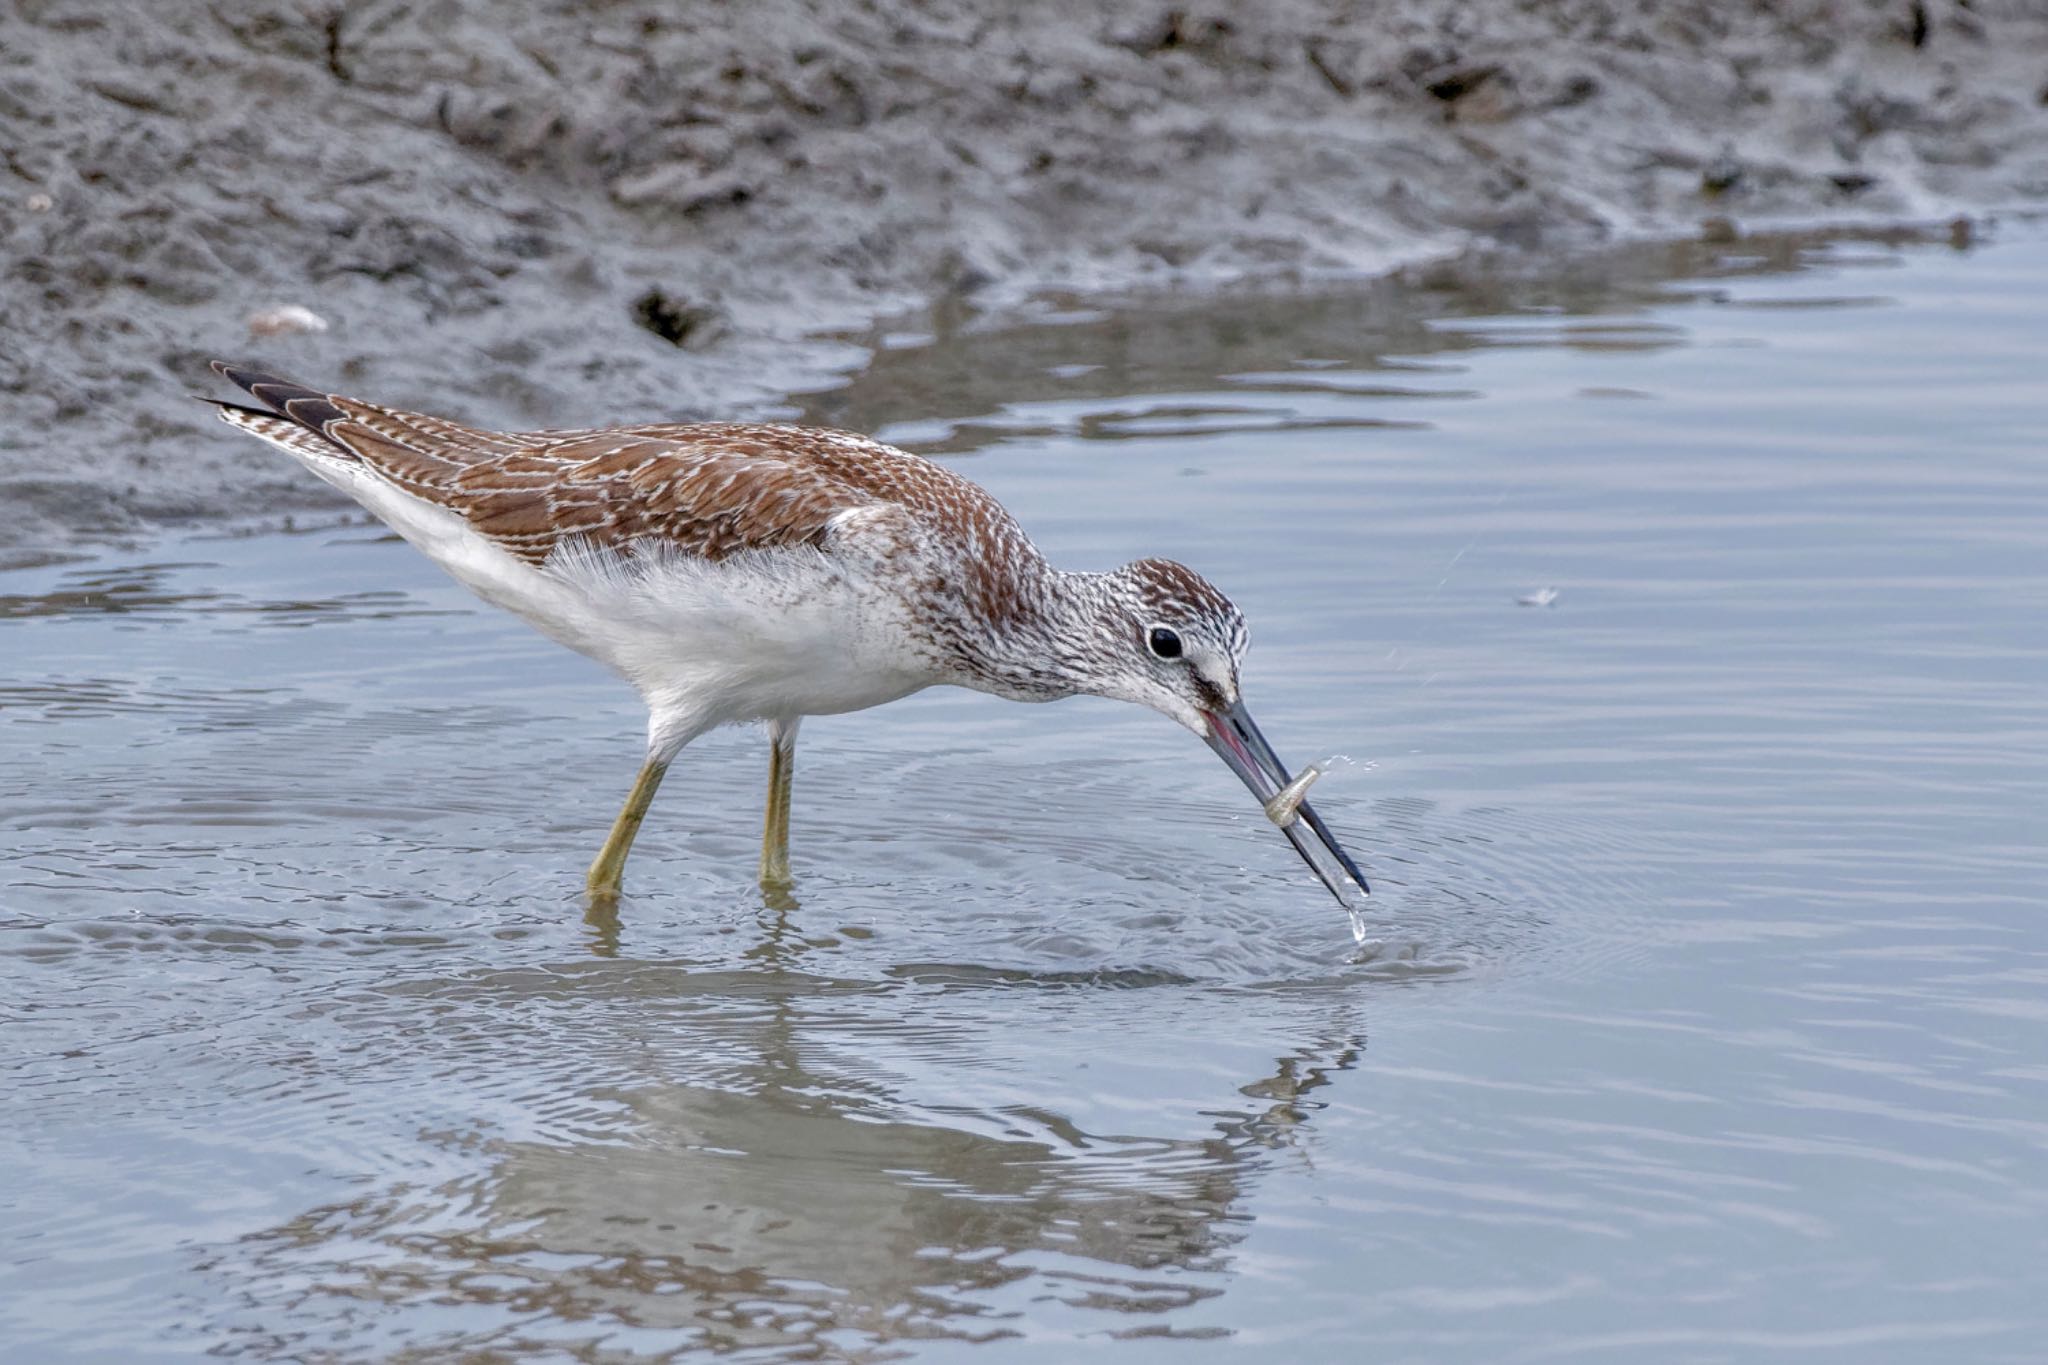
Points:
(566, 213)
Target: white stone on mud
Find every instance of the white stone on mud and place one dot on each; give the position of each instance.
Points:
(292, 317)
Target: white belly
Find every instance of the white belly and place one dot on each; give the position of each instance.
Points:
(771, 634)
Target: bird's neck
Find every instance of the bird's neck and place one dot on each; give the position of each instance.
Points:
(1048, 641)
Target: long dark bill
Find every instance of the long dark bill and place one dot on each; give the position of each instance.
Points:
(1238, 742)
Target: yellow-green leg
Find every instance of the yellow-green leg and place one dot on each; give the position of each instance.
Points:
(606, 872)
(775, 822)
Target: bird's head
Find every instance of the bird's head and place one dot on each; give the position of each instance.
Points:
(1166, 638)
(1169, 640)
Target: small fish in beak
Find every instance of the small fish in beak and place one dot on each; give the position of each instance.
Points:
(1284, 809)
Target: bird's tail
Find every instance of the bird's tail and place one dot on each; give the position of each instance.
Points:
(293, 416)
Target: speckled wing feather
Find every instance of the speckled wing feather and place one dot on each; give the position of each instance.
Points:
(707, 489)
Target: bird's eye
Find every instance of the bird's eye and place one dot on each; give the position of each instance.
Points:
(1164, 643)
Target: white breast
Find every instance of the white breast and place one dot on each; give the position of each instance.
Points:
(763, 634)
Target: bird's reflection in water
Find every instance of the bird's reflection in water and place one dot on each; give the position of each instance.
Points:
(601, 916)
(606, 922)
(769, 1161)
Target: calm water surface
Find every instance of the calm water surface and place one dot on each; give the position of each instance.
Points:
(1708, 1020)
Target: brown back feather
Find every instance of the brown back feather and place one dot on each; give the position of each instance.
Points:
(709, 489)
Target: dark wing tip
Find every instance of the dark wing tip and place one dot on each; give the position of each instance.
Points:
(310, 408)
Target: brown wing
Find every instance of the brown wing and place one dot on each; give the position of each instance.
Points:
(706, 490)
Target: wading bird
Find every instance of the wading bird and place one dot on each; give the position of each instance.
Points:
(737, 572)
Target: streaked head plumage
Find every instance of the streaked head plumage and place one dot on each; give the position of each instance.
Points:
(1175, 642)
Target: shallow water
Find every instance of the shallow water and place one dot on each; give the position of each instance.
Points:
(1708, 1019)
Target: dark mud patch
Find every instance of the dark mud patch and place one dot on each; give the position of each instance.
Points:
(562, 216)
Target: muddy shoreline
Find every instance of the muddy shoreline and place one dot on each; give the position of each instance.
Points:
(576, 215)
